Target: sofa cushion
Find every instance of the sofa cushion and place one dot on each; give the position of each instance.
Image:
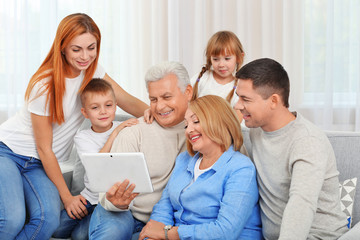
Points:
(347, 195)
(352, 234)
(346, 146)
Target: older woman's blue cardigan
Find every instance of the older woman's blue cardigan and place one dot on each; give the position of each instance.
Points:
(221, 204)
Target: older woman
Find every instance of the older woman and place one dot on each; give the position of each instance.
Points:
(212, 193)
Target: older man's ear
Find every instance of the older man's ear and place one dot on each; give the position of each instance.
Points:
(189, 92)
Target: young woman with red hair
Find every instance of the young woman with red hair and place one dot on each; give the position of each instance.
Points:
(41, 134)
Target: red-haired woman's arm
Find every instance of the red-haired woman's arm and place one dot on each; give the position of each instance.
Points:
(43, 135)
(126, 101)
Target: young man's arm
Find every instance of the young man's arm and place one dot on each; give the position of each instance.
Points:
(308, 168)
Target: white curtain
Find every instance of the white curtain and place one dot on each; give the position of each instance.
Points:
(139, 33)
(332, 64)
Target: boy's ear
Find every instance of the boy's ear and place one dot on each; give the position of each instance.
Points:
(83, 111)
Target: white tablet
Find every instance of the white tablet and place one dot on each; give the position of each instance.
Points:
(105, 169)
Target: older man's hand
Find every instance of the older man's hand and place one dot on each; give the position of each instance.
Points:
(121, 194)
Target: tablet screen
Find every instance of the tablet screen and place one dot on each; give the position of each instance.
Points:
(105, 169)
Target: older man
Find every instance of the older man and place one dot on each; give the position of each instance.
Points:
(169, 92)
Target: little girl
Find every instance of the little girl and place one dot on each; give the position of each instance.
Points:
(224, 57)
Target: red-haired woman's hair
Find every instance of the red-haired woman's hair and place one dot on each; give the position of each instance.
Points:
(55, 67)
(220, 43)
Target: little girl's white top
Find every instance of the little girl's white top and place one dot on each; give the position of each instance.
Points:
(209, 86)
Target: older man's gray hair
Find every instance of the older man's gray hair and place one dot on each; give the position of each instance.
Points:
(162, 69)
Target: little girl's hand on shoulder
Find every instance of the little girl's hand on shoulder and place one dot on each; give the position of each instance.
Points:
(148, 118)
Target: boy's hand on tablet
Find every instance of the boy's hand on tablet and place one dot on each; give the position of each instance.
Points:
(121, 194)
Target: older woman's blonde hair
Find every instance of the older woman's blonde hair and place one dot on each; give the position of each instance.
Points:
(218, 121)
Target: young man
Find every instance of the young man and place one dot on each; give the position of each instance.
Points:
(161, 141)
(296, 166)
(99, 106)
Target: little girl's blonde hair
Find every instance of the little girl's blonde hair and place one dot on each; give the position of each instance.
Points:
(221, 43)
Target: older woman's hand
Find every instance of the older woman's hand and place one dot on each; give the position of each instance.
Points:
(121, 195)
(152, 230)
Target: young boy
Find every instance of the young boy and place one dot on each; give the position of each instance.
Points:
(99, 106)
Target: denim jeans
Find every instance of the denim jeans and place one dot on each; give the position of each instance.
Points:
(25, 190)
(113, 225)
(77, 229)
